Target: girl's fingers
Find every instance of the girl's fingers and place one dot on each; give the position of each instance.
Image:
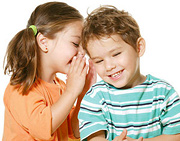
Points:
(92, 71)
(77, 64)
(72, 64)
(84, 71)
(81, 66)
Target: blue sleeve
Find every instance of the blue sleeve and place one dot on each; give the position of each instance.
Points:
(170, 113)
(91, 116)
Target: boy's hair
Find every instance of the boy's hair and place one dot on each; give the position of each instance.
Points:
(108, 20)
(22, 56)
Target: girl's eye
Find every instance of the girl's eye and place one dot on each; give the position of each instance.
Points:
(116, 54)
(76, 45)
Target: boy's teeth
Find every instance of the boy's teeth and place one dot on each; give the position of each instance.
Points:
(116, 74)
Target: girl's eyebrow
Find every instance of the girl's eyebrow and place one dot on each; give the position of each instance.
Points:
(76, 36)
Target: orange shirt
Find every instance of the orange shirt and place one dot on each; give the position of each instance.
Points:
(28, 117)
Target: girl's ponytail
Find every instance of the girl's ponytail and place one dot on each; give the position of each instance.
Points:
(21, 59)
(22, 56)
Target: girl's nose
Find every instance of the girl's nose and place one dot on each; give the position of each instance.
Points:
(81, 50)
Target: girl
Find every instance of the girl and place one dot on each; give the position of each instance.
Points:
(38, 105)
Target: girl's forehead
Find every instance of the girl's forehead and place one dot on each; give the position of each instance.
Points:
(74, 27)
(71, 30)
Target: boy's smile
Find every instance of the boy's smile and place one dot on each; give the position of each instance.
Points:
(116, 75)
(116, 62)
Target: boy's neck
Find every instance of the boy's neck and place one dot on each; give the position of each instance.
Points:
(135, 81)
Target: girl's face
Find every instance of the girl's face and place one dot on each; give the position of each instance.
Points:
(116, 62)
(64, 47)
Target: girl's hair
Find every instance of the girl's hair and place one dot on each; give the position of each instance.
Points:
(22, 56)
(108, 20)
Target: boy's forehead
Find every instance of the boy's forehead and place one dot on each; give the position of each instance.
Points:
(104, 41)
(114, 37)
(104, 45)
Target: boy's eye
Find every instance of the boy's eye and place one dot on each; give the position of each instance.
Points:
(116, 54)
(99, 61)
(75, 44)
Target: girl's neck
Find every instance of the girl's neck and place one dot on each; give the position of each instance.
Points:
(48, 77)
(46, 73)
(49, 80)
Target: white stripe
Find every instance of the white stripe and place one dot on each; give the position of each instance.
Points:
(165, 103)
(171, 126)
(153, 106)
(90, 125)
(139, 111)
(82, 123)
(133, 123)
(84, 102)
(173, 106)
(123, 92)
(91, 113)
(140, 131)
(134, 102)
(164, 121)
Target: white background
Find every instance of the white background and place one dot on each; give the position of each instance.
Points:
(158, 20)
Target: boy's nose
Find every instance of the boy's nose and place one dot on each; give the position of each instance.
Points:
(109, 65)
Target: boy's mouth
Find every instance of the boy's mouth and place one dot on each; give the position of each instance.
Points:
(117, 74)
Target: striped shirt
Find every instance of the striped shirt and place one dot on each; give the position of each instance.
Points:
(148, 110)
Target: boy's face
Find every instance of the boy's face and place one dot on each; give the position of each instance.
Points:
(116, 62)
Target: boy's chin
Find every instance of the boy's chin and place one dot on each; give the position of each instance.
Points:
(119, 84)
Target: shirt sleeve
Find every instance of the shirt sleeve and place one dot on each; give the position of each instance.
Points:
(91, 116)
(33, 114)
(170, 112)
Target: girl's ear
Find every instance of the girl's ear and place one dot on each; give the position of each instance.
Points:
(141, 46)
(42, 42)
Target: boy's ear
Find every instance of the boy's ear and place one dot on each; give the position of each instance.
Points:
(141, 46)
(42, 42)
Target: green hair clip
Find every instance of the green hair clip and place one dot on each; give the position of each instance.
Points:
(34, 28)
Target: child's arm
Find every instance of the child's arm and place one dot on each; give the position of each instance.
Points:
(100, 136)
(175, 137)
(90, 80)
(75, 84)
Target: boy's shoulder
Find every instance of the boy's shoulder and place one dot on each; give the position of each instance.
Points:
(152, 80)
(97, 88)
(101, 85)
(158, 86)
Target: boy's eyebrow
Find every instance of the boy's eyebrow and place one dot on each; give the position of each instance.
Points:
(117, 48)
(97, 57)
(93, 58)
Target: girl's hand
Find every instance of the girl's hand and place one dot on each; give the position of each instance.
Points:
(76, 75)
(91, 78)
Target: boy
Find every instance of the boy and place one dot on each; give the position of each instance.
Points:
(125, 99)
